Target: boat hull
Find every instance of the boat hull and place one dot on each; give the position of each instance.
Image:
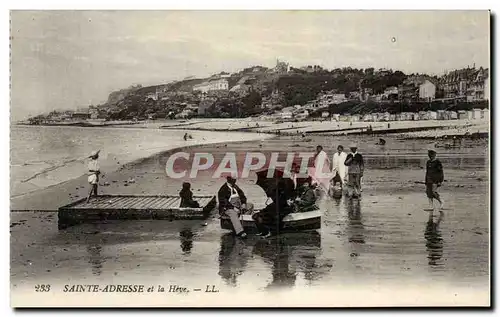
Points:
(300, 221)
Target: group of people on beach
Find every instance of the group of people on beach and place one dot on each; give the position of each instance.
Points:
(293, 193)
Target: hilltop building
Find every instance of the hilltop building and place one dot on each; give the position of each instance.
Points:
(212, 85)
(469, 83)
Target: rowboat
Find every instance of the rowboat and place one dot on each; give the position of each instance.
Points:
(293, 222)
(300, 220)
(132, 207)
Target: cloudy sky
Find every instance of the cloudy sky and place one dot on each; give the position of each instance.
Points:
(68, 59)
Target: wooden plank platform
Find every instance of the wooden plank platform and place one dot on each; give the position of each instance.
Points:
(127, 207)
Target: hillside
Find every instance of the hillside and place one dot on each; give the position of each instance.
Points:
(255, 86)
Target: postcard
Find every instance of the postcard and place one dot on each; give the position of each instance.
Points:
(250, 159)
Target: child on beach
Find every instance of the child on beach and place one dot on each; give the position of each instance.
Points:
(434, 177)
(187, 197)
(94, 172)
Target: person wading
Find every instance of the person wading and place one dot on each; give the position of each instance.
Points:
(94, 173)
(356, 168)
(322, 169)
(339, 168)
(434, 177)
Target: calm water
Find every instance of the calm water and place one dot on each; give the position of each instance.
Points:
(44, 156)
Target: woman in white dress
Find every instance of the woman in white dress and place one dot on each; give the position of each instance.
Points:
(94, 172)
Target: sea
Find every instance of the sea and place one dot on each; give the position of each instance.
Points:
(43, 156)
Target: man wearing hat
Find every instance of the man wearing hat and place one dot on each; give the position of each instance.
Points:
(94, 172)
(354, 162)
(434, 177)
(233, 203)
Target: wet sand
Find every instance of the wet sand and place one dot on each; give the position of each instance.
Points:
(382, 243)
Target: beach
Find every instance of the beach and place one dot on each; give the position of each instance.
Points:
(382, 243)
(332, 127)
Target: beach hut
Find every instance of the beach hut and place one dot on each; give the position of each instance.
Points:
(325, 114)
(432, 115)
(476, 114)
(368, 117)
(392, 117)
(423, 115)
(470, 114)
(485, 114)
(355, 118)
(336, 117)
(441, 115)
(386, 116)
(463, 115)
(453, 115)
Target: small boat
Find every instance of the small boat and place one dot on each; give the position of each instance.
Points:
(132, 207)
(301, 220)
(296, 221)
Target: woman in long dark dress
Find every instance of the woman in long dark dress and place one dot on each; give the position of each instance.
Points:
(187, 197)
(273, 214)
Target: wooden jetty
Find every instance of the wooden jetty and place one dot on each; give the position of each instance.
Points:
(132, 207)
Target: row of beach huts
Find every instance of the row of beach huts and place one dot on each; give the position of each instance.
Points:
(475, 114)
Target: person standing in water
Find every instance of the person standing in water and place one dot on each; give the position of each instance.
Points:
(94, 172)
(356, 168)
(322, 169)
(434, 177)
(339, 168)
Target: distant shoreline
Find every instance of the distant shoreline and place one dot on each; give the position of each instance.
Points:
(400, 129)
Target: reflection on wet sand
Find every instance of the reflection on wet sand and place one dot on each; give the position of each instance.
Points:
(233, 258)
(186, 237)
(355, 228)
(286, 253)
(434, 241)
(95, 258)
(279, 255)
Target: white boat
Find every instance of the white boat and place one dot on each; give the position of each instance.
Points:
(295, 221)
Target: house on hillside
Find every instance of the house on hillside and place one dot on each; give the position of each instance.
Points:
(469, 83)
(212, 85)
(80, 115)
(487, 88)
(152, 95)
(477, 88)
(390, 93)
(287, 113)
(418, 87)
(186, 113)
(302, 115)
(427, 90)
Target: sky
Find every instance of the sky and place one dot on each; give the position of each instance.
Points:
(70, 59)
